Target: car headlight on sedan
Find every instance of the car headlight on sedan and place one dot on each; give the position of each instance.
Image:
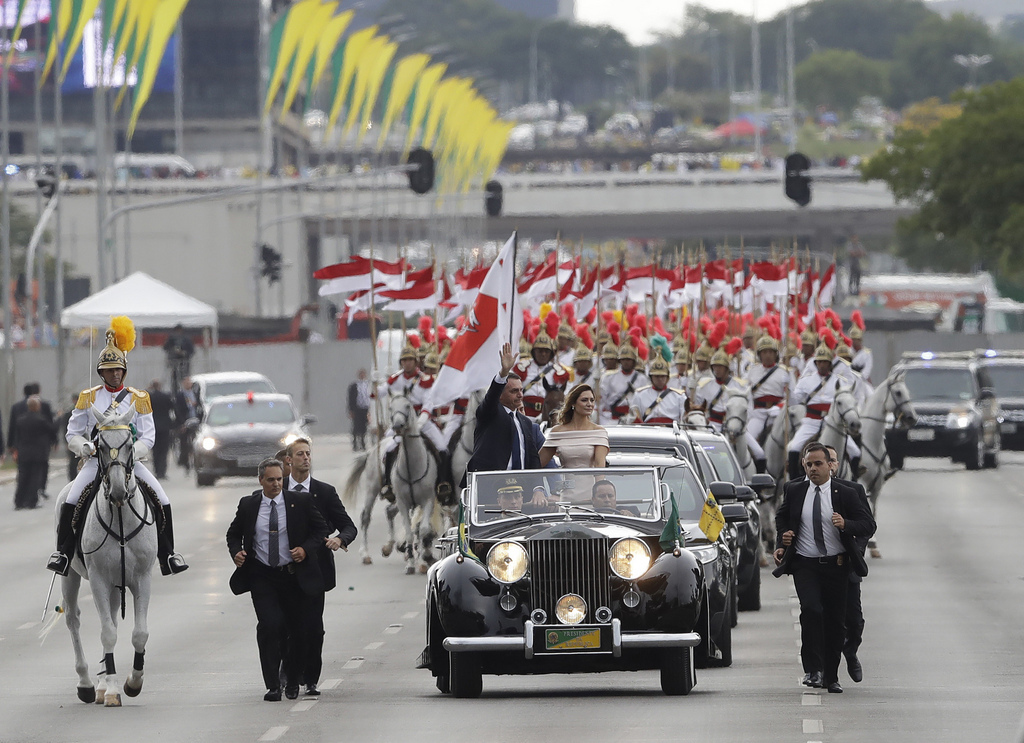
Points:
(209, 443)
(629, 558)
(960, 419)
(507, 562)
(705, 554)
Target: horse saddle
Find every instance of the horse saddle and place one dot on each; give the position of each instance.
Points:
(89, 495)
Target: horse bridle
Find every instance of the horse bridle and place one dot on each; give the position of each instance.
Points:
(405, 435)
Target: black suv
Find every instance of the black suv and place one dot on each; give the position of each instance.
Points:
(958, 414)
(1006, 370)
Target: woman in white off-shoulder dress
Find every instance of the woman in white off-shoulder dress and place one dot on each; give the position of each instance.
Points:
(578, 441)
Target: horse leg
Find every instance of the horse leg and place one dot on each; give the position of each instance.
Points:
(405, 512)
(425, 533)
(369, 501)
(108, 603)
(391, 511)
(70, 587)
(140, 634)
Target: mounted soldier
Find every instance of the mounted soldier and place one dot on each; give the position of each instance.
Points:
(619, 386)
(541, 374)
(701, 370)
(681, 379)
(769, 384)
(112, 366)
(657, 404)
(583, 366)
(409, 382)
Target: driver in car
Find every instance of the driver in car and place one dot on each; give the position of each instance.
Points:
(603, 499)
(510, 496)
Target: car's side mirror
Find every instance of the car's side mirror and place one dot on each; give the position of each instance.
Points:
(308, 420)
(745, 494)
(762, 481)
(666, 493)
(735, 513)
(723, 491)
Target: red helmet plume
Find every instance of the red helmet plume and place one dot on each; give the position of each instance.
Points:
(733, 346)
(583, 331)
(857, 318)
(414, 340)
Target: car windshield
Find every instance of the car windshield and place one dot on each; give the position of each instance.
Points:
(934, 383)
(258, 411)
(723, 462)
(1008, 381)
(686, 490)
(222, 389)
(611, 491)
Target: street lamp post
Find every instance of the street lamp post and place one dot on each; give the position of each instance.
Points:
(533, 56)
(973, 63)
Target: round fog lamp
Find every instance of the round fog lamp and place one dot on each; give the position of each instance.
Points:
(631, 599)
(630, 558)
(507, 562)
(571, 609)
(507, 602)
(603, 614)
(539, 616)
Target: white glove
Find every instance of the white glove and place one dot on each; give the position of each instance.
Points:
(81, 446)
(140, 450)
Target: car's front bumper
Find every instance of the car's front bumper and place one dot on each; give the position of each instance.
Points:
(619, 640)
(943, 441)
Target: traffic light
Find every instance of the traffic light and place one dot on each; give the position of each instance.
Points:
(421, 179)
(798, 184)
(271, 263)
(493, 198)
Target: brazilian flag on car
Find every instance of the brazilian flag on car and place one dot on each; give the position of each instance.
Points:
(464, 549)
(712, 520)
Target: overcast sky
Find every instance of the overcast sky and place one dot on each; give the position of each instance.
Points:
(639, 17)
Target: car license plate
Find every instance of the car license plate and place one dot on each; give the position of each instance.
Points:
(249, 461)
(572, 639)
(921, 434)
(1008, 428)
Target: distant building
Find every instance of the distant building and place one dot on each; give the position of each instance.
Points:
(563, 9)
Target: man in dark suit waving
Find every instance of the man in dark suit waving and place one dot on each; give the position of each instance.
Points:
(326, 499)
(504, 438)
(273, 541)
(817, 524)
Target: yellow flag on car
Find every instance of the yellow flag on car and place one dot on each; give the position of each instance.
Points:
(711, 519)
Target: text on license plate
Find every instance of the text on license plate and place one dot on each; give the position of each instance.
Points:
(572, 639)
(921, 434)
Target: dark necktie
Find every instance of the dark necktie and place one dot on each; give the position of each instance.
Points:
(299, 489)
(273, 546)
(517, 454)
(819, 532)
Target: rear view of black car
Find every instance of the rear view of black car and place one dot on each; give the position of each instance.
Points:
(958, 413)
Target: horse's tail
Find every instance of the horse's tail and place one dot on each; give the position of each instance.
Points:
(348, 498)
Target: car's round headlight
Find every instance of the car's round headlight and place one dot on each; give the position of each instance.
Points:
(507, 562)
(629, 558)
(571, 609)
(209, 443)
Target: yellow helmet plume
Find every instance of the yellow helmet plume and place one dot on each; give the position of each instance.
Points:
(124, 332)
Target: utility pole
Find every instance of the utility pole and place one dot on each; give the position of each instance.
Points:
(5, 227)
(755, 51)
(265, 145)
(791, 77)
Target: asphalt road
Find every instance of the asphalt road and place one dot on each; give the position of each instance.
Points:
(943, 655)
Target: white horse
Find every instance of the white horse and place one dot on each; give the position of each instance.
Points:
(892, 396)
(842, 421)
(362, 489)
(118, 550)
(775, 447)
(734, 426)
(463, 441)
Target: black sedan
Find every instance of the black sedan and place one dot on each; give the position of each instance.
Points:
(239, 431)
(564, 571)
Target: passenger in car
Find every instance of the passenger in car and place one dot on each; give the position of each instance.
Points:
(603, 498)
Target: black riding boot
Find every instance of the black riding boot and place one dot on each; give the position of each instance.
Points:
(855, 472)
(170, 561)
(760, 466)
(444, 489)
(795, 470)
(385, 486)
(60, 561)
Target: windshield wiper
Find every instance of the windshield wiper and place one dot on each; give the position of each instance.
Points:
(567, 506)
(509, 510)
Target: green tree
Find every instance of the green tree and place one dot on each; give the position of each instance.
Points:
(966, 180)
(869, 27)
(839, 79)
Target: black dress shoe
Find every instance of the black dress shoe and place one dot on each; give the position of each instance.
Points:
(274, 695)
(835, 688)
(854, 667)
(311, 691)
(292, 692)
(813, 680)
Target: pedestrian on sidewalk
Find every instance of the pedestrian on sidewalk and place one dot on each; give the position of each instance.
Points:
(34, 437)
(359, 410)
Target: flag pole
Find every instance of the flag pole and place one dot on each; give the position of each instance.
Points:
(515, 252)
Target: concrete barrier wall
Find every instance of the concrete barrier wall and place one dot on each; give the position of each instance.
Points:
(888, 347)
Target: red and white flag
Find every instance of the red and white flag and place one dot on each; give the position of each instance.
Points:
(496, 319)
(422, 296)
(354, 275)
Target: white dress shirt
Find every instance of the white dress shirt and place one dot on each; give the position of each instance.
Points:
(805, 545)
(306, 484)
(262, 536)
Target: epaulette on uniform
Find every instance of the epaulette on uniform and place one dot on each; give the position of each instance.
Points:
(86, 398)
(140, 398)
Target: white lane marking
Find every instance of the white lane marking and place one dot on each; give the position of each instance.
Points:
(275, 732)
(810, 699)
(354, 662)
(330, 684)
(393, 629)
(796, 626)
(373, 646)
(27, 625)
(795, 611)
(304, 705)
(813, 726)
(410, 615)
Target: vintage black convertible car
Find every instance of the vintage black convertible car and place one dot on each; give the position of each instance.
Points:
(551, 573)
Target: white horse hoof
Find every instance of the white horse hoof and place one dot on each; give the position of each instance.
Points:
(112, 700)
(367, 560)
(100, 696)
(410, 570)
(423, 569)
(875, 552)
(387, 549)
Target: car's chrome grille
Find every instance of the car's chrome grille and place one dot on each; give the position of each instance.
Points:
(561, 566)
(247, 451)
(931, 420)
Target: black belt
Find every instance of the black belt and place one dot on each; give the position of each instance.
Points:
(288, 567)
(838, 560)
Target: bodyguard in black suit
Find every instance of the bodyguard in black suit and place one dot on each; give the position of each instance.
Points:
(817, 523)
(273, 541)
(503, 438)
(327, 501)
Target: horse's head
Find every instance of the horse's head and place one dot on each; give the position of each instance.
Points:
(845, 407)
(737, 408)
(403, 415)
(115, 453)
(897, 401)
(552, 406)
(696, 418)
(472, 403)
